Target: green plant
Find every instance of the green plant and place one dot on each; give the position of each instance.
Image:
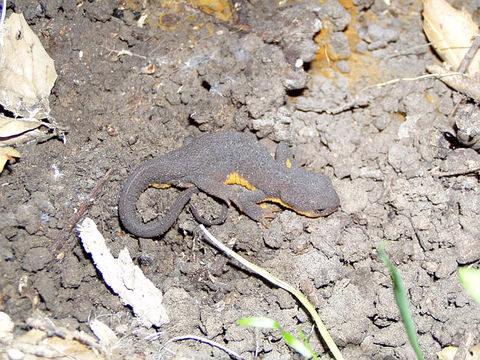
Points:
(470, 279)
(299, 345)
(402, 301)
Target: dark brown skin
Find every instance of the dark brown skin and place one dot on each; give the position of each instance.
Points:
(212, 162)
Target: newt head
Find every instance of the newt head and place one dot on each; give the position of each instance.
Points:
(310, 194)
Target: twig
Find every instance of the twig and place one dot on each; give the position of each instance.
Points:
(469, 55)
(394, 81)
(417, 234)
(356, 103)
(232, 354)
(458, 173)
(468, 85)
(62, 237)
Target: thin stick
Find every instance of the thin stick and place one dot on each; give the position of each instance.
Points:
(469, 55)
(417, 233)
(62, 237)
(231, 353)
(459, 173)
(394, 81)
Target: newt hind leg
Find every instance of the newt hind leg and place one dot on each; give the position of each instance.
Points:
(249, 204)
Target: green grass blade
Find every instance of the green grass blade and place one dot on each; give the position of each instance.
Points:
(470, 279)
(305, 341)
(259, 322)
(402, 301)
(264, 322)
(298, 345)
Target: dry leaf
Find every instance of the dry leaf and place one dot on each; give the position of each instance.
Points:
(32, 135)
(38, 343)
(12, 127)
(27, 73)
(449, 352)
(6, 327)
(451, 32)
(6, 154)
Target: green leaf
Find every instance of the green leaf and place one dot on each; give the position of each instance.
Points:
(305, 341)
(297, 345)
(402, 301)
(470, 279)
(259, 322)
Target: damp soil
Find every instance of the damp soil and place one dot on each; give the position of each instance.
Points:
(132, 87)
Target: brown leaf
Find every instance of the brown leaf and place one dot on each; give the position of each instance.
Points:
(27, 73)
(451, 32)
(6, 154)
(11, 127)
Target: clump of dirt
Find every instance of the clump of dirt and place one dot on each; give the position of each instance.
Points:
(128, 92)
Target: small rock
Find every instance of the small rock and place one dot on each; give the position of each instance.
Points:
(28, 216)
(71, 275)
(362, 47)
(336, 13)
(405, 159)
(36, 258)
(339, 49)
(467, 122)
(377, 33)
(381, 122)
(343, 66)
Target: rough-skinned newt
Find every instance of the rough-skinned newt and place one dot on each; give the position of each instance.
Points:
(215, 161)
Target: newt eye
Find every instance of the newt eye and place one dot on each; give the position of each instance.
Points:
(311, 195)
(327, 211)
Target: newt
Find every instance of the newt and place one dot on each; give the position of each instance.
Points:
(213, 162)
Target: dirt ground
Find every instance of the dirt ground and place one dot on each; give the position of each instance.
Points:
(127, 92)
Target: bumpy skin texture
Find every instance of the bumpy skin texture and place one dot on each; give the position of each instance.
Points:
(207, 161)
